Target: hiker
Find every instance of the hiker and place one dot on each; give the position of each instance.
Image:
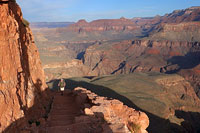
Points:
(62, 86)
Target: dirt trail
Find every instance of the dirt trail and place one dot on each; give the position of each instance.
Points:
(62, 115)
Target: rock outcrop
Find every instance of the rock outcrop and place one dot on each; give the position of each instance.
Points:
(21, 76)
(120, 118)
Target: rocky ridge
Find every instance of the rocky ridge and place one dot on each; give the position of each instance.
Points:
(145, 25)
(119, 116)
(121, 24)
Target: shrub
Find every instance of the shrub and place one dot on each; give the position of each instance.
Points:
(25, 22)
(134, 128)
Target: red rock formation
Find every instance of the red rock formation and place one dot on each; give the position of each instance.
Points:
(185, 31)
(177, 16)
(21, 75)
(120, 117)
(147, 24)
(130, 56)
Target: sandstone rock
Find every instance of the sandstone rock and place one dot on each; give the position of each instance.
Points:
(88, 111)
(119, 116)
(21, 76)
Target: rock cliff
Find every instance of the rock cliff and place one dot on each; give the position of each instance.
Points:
(21, 76)
(186, 31)
(141, 55)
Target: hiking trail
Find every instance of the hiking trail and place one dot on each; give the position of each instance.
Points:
(61, 118)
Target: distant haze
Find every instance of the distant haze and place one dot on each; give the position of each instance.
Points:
(50, 24)
(73, 10)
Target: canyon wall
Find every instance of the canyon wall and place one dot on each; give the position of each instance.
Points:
(142, 55)
(125, 57)
(21, 76)
(121, 24)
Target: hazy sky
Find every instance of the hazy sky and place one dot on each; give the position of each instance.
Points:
(73, 10)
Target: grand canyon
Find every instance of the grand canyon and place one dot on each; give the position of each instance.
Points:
(122, 75)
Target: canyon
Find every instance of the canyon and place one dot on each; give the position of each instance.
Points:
(28, 105)
(124, 58)
(134, 75)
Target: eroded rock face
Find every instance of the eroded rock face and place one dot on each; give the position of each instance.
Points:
(186, 31)
(73, 68)
(120, 117)
(140, 55)
(21, 76)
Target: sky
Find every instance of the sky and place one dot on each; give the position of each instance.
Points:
(74, 10)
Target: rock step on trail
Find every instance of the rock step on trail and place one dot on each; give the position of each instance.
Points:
(62, 115)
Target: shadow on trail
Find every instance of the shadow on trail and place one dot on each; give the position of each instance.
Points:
(157, 124)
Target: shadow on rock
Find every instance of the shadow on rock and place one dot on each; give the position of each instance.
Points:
(35, 115)
(191, 120)
(189, 61)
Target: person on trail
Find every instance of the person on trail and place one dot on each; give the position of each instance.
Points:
(62, 85)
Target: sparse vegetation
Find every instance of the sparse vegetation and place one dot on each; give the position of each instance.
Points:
(25, 22)
(134, 128)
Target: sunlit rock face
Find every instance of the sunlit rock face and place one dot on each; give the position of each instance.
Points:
(21, 74)
(120, 117)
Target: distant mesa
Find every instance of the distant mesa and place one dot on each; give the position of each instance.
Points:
(82, 21)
